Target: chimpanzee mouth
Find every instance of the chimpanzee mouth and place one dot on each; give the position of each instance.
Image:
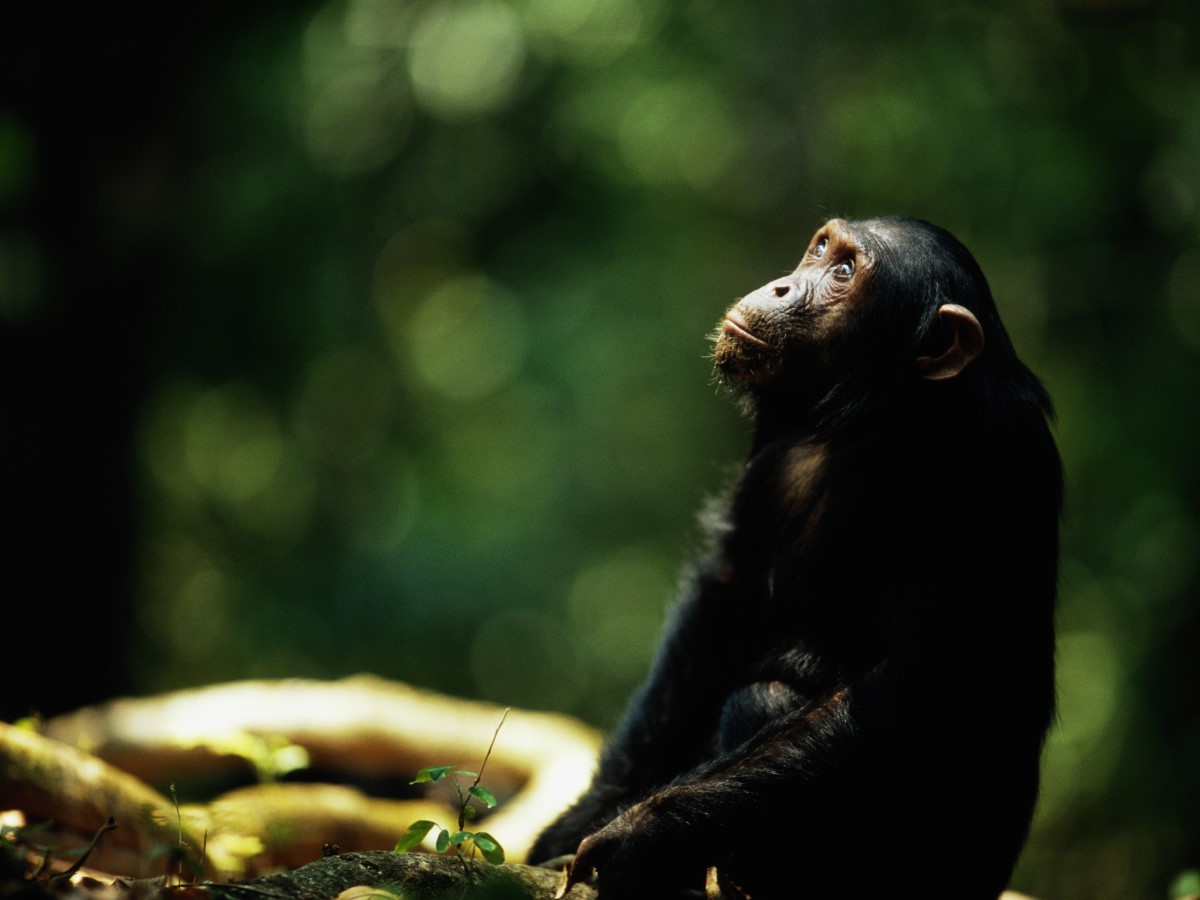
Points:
(735, 325)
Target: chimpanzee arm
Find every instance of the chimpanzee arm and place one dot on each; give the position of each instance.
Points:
(714, 637)
(668, 839)
(669, 725)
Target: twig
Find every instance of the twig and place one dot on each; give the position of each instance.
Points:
(78, 864)
(179, 824)
(41, 866)
(488, 755)
(462, 811)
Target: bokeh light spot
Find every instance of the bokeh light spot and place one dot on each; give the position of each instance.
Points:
(188, 597)
(232, 444)
(1084, 749)
(617, 606)
(590, 31)
(413, 262)
(466, 58)
(378, 23)
(358, 121)
(678, 131)
(223, 445)
(1089, 679)
(467, 338)
(162, 438)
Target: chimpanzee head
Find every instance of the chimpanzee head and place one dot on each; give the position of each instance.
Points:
(879, 306)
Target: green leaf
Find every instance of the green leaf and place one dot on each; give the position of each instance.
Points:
(483, 794)
(415, 834)
(460, 837)
(489, 847)
(470, 813)
(432, 773)
(443, 841)
(467, 774)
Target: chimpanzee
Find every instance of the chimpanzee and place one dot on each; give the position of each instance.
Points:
(853, 691)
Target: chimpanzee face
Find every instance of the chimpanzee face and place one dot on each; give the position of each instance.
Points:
(867, 296)
(798, 321)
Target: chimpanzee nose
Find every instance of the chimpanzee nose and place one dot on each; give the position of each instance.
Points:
(787, 291)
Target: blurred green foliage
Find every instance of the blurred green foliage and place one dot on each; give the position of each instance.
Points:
(427, 390)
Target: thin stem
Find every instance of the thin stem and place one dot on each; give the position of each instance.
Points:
(462, 859)
(183, 848)
(488, 755)
(463, 800)
(105, 828)
(462, 812)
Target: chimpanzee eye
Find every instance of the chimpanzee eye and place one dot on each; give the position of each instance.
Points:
(819, 249)
(843, 270)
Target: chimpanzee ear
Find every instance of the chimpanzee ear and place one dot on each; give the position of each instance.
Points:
(966, 343)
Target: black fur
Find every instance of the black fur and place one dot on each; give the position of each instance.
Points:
(853, 691)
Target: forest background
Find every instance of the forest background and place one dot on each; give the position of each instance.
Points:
(359, 335)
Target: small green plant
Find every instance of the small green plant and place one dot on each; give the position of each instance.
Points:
(461, 840)
(272, 756)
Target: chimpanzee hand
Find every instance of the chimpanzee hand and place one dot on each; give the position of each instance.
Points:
(636, 856)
